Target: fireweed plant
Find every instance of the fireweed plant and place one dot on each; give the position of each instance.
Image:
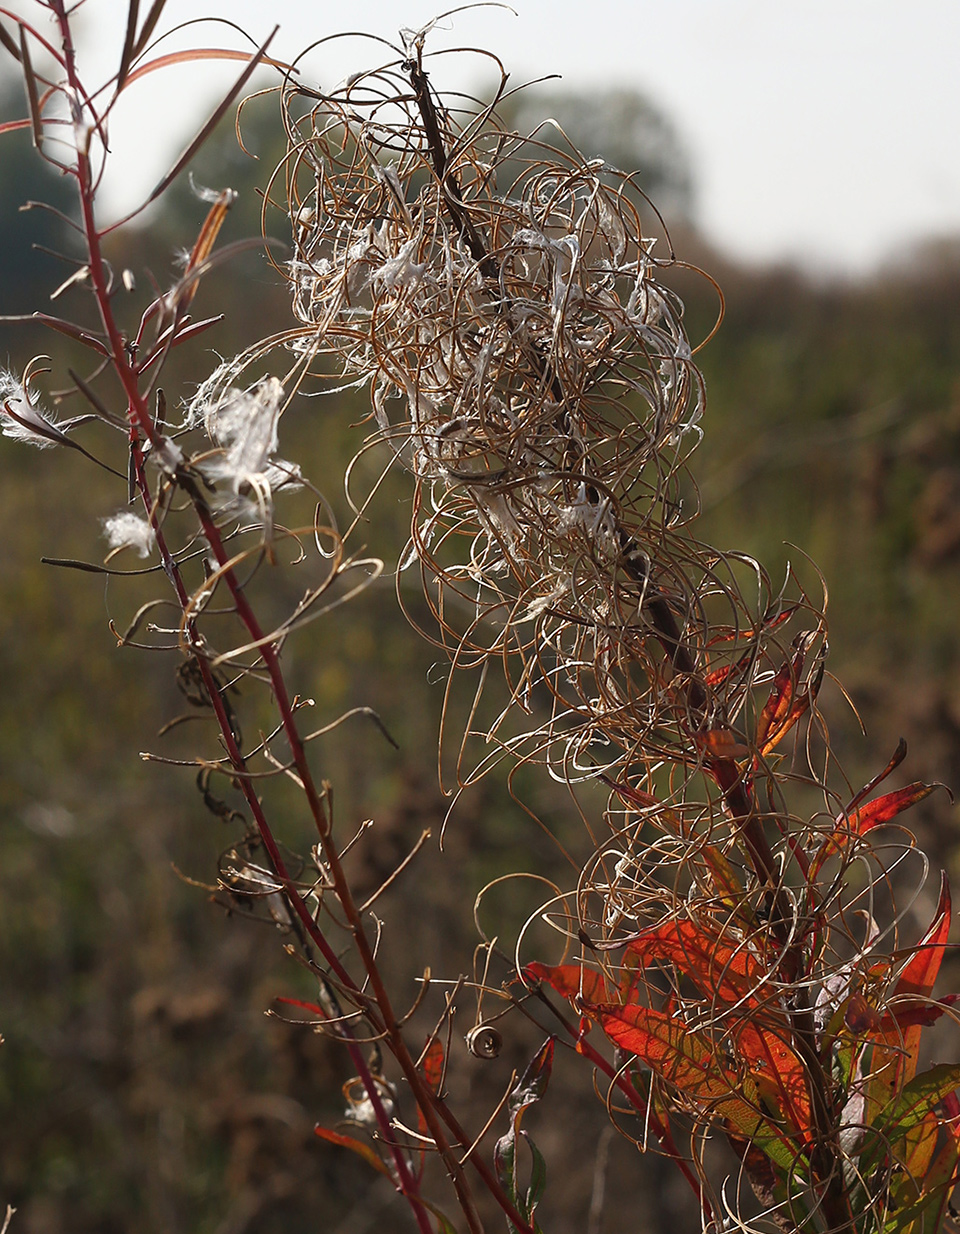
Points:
(732, 961)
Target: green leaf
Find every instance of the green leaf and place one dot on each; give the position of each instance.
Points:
(905, 1112)
(528, 1090)
(533, 1083)
(505, 1163)
(538, 1178)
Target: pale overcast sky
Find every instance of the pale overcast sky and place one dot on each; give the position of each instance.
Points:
(824, 131)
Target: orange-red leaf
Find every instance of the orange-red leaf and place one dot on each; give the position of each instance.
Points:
(780, 1076)
(787, 701)
(684, 1060)
(866, 817)
(895, 1055)
(432, 1067)
(730, 634)
(573, 981)
(921, 971)
(667, 1045)
(722, 743)
(727, 974)
(907, 1012)
(355, 1146)
(432, 1064)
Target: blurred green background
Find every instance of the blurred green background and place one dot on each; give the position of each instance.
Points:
(142, 1087)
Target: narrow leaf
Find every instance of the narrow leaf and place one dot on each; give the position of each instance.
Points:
(149, 25)
(873, 814)
(668, 1046)
(780, 1076)
(538, 1179)
(894, 1058)
(126, 55)
(572, 981)
(62, 327)
(356, 1146)
(533, 1083)
(432, 1064)
(30, 86)
(921, 971)
(254, 61)
(7, 41)
(899, 754)
(202, 53)
(788, 701)
(691, 1065)
(725, 973)
(907, 1012)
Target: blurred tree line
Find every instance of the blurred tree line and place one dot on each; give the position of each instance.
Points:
(141, 1086)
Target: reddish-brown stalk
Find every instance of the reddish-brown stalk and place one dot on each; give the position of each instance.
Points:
(377, 1008)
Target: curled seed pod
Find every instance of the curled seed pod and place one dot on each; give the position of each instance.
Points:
(484, 1041)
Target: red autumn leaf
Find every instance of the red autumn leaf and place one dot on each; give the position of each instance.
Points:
(431, 1065)
(573, 981)
(731, 976)
(779, 1074)
(863, 819)
(894, 1058)
(730, 634)
(666, 1044)
(788, 701)
(355, 1146)
(899, 754)
(722, 743)
(298, 1002)
(912, 1011)
(684, 1060)
(922, 969)
(719, 675)
(727, 974)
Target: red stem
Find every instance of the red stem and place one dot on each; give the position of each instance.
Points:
(142, 422)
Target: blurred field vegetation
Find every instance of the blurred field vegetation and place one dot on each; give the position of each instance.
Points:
(141, 1086)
